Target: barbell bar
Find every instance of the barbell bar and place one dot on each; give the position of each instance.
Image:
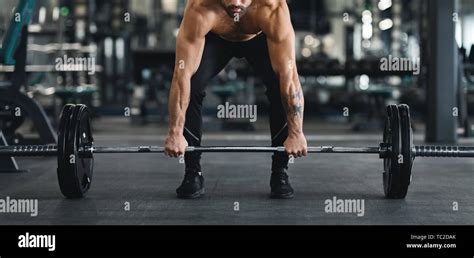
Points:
(52, 150)
(75, 151)
(382, 151)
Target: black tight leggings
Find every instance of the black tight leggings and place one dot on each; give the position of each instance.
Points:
(217, 53)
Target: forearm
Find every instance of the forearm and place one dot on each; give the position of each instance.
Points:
(293, 102)
(178, 104)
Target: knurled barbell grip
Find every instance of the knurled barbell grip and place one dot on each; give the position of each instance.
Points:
(29, 150)
(443, 151)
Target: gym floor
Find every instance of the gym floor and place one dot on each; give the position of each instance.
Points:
(148, 183)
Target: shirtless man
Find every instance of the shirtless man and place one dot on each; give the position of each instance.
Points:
(211, 33)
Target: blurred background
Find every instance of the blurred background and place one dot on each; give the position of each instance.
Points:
(339, 46)
(354, 57)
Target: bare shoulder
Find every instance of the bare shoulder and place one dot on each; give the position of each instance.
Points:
(198, 17)
(203, 5)
(274, 17)
(272, 5)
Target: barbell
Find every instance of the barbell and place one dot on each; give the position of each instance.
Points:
(75, 151)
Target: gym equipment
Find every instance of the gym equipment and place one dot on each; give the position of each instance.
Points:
(8, 120)
(20, 20)
(13, 52)
(75, 151)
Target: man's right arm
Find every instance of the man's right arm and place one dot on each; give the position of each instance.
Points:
(189, 47)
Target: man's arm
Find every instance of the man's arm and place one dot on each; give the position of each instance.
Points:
(189, 48)
(276, 24)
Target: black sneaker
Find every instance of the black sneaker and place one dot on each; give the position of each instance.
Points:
(192, 186)
(280, 185)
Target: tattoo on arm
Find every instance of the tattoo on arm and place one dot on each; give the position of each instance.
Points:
(297, 110)
(296, 95)
(294, 107)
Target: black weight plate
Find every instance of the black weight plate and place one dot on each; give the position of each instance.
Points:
(83, 138)
(74, 170)
(392, 137)
(63, 157)
(406, 150)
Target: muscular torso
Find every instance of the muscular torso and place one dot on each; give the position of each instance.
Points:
(271, 17)
(226, 27)
(245, 29)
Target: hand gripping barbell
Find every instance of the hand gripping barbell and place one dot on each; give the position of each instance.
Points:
(75, 151)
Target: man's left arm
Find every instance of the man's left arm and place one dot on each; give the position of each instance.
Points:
(276, 24)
